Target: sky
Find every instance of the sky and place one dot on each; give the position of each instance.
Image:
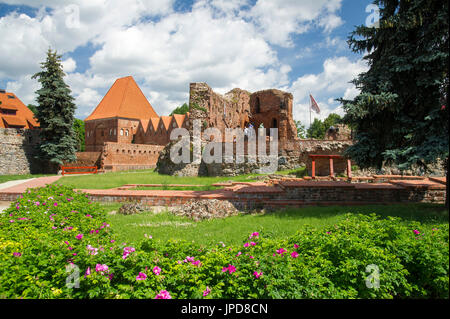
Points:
(298, 46)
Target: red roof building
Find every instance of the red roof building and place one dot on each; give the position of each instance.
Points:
(124, 115)
(14, 114)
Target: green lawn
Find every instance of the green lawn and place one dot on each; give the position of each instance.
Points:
(6, 178)
(116, 179)
(233, 230)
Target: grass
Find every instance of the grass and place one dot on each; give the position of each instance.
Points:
(116, 179)
(7, 178)
(299, 172)
(233, 230)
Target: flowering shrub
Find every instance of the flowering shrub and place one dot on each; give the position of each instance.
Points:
(55, 243)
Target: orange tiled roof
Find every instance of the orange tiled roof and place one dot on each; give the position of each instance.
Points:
(179, 118)
(144, 124)
(154, 121)
(13, 120)
(166, 121)
(124, 99)
(23, 115)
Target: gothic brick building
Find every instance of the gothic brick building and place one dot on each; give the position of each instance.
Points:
(124, 115)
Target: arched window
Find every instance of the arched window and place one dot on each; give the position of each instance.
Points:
(126, 133)
(274, 123)
(121, 132)
(258, 105)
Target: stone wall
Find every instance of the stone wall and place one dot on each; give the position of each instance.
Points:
(17, 150)
(231, 110)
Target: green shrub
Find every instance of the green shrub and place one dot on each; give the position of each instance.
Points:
(38, 242)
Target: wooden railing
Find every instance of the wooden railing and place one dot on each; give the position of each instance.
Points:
(330, 158)
(65, 168)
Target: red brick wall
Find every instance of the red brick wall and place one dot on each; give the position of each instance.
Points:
(122, 156)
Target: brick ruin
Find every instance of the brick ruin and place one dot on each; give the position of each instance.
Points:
(124, 132)
(236, 109)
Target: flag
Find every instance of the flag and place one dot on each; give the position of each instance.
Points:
(314, 105)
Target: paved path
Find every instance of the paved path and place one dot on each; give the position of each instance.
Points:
(14, 183)
(20, 186)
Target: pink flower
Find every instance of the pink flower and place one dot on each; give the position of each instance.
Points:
(281, 251)
(79, 236)
(294, 254)
(88, 271)
(141, 276)
(189, 259)
(55, 204)
(11, 221)
(328, 232)
(296, 246)
(16, 254)
(246, 244)
(156, 270)
(163, 294)
(231, 269)
(101, 268)
(127, 251)
(196, 263)
(238, 254)
(206, 292)
(257, 274)
(255, 234)
(416, 232)
(87, 215)
(253, 243)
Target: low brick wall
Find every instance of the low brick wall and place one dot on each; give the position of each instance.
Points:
(290, 193)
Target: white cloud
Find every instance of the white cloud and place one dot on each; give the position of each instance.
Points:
(69, 65)
(333, 81)
(198, 46)
(224, 43)
(279, 19)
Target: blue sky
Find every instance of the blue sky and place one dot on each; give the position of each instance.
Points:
(293, 45)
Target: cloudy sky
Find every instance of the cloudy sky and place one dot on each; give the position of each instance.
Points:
(297, 46)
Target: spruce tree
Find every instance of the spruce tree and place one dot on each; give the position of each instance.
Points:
(401, 115)
(55, 113)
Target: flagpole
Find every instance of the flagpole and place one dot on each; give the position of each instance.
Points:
(310, 123)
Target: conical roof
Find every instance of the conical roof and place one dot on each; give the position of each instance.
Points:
(124, 99)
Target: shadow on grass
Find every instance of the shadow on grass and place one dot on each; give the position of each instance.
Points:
(424, 213)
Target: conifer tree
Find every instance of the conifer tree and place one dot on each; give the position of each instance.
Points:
(55, 113)
(401, 114)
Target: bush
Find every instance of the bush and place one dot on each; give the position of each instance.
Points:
(51, 236)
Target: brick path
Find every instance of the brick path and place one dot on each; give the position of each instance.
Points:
(11, 193)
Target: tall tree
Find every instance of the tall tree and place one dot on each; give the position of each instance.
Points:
(78, 127)
(181, 109)
(401, 115)
(331, 120)
(55, 113)
(316, 130)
